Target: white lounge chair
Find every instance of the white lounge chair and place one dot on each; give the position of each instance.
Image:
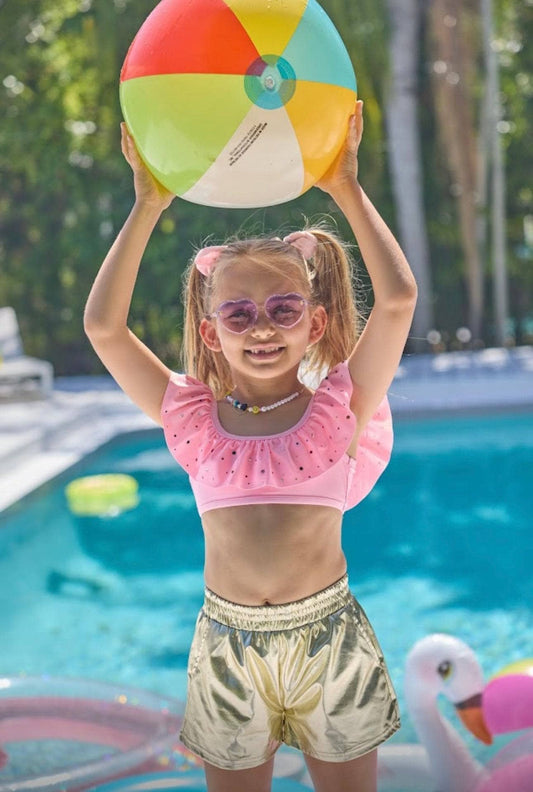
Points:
(20, 376)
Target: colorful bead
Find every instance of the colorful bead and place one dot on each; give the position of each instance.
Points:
(255, 410)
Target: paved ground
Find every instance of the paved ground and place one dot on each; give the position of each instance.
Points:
(39, 439)
(485, 380)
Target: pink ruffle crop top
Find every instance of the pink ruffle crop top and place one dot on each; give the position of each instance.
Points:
(306, 464)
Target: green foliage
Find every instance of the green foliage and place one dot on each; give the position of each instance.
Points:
(65, 189)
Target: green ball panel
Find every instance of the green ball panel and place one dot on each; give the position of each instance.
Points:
(181, 122)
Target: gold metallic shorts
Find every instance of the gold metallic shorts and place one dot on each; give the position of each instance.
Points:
(309, 673)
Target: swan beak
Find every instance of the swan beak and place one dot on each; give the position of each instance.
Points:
(471, 714)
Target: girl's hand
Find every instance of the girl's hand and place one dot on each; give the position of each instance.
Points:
(147, 189)
(344, 169)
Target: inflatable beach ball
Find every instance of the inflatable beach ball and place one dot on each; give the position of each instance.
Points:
(238, 103)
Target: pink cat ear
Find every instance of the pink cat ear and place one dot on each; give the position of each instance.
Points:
(207, 257)
(304, 241)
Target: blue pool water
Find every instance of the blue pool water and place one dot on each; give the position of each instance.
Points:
(442, 544)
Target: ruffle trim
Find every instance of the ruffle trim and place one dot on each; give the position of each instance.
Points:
(373, 454)
(312, 446)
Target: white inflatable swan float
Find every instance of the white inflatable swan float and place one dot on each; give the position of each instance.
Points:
(444, 665)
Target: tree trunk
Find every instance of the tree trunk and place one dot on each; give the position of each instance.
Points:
(405, 155)
(497, 172)
(453, 61)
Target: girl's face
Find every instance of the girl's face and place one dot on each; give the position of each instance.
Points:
(265, 349)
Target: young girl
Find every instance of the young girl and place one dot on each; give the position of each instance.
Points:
(282, 651)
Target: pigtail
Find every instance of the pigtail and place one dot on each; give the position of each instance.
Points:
(331, 276)
(199, 361)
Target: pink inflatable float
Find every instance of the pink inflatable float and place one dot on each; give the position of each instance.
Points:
(508, 698)
(60, 733)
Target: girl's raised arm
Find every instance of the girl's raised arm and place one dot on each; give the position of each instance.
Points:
(378, 351)
(135, 368)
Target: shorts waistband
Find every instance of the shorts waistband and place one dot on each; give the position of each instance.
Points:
(278, 617)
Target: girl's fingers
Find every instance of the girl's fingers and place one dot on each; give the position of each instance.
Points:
(359, 119)
(355, 127)
(123, 138)
(125, 141)
(124, 134)
(128, 146)
(352, 133)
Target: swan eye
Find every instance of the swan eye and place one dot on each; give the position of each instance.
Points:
(445, 669)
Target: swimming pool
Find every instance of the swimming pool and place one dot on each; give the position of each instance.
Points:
(442, 544)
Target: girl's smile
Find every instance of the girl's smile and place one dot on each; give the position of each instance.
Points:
(265, 352)
(264, 349)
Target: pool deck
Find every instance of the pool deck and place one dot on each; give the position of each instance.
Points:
(40, 439)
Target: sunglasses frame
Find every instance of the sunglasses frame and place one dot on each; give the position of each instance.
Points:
(249, 301)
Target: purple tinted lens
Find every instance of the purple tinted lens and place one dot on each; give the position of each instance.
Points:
(238, 316)
(285, 310)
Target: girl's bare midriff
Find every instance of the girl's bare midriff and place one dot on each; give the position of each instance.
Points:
(272, 553)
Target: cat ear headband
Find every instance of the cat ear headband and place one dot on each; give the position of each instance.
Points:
(206, 258)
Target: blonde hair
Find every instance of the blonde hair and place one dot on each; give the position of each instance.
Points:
(326, 279)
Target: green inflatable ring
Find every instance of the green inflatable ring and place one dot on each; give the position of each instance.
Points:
(107, 494)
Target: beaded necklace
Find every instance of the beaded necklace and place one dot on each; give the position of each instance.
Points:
(255, 410)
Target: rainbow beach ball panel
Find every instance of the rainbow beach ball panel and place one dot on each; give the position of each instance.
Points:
(238, 103)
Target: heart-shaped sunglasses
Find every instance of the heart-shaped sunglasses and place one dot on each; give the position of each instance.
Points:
(283, 310)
